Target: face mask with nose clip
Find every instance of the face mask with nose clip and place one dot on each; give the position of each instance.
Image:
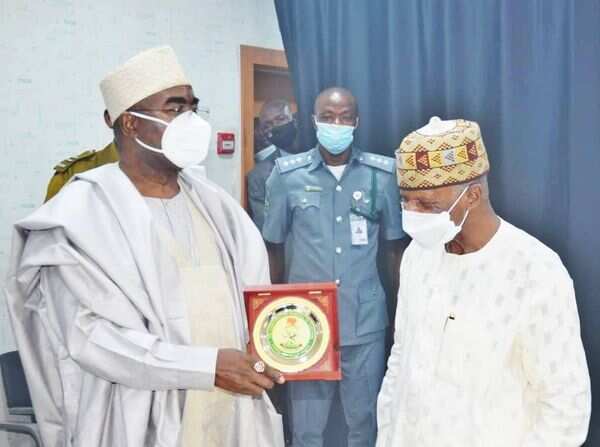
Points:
(185, 140)
(433, 230)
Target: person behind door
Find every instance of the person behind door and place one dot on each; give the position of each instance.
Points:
(331, 206)
(277, 127)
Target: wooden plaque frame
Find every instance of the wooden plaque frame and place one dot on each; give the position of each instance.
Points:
(324, 296)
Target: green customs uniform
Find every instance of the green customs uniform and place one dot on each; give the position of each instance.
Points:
(333, 229)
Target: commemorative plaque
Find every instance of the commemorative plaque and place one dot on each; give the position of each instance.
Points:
(294, 329)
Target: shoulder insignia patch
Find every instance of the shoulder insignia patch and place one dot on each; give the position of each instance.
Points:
(293, 162)
(64, 165)
(387, 164)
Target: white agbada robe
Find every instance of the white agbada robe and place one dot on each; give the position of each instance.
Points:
(487, 350)
(100, 317)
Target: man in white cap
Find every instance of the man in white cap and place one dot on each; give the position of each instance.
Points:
(125, 289)
(487, 348)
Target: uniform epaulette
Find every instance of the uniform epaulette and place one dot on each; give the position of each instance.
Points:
(64, 165)
(292, 162)
(387, 164)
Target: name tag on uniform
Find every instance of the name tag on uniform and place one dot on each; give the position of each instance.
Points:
(358, 229)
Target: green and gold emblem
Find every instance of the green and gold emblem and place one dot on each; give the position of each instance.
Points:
(291, 334)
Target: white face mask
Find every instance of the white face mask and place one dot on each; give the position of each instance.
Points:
(431, 230)
(185, 140)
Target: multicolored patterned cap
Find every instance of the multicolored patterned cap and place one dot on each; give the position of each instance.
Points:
(442, 153)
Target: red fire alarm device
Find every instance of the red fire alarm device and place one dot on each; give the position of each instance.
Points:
(225, 143)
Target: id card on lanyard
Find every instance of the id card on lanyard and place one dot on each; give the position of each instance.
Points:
(359, 230)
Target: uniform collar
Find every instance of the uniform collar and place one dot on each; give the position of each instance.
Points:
(112, 146)
(271, 152)
(317, 158)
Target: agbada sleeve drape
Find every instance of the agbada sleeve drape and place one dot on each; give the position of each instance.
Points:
(105, 335)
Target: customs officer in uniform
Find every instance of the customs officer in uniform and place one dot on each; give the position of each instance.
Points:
(336, 207)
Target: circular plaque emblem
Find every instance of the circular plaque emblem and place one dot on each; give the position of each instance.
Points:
(291, 334)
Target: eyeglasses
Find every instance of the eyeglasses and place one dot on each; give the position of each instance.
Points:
(416, 205)
(177, 109)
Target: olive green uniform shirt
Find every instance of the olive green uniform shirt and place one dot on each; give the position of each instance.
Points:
(80, 163)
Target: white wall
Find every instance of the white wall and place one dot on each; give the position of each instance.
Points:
(54, 53)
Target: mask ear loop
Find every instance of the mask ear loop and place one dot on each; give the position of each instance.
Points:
(148, 147)
(458, 198)
(149, 118)
(456, 203)
(465, 218)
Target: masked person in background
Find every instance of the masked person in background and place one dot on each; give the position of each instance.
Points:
(278, 129)
(125, 290)
(487, 347)
(326, 212)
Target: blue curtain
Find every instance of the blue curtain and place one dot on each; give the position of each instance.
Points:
(527, 70)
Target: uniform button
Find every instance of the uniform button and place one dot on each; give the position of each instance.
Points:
(338, 250)
(337, 282)
(338, 188)
(304, 200)
(338, 219)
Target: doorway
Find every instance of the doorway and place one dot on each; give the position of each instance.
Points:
(264, 76)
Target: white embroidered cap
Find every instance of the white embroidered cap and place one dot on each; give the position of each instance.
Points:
(145, 74)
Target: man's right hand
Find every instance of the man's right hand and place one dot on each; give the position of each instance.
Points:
(235, 372)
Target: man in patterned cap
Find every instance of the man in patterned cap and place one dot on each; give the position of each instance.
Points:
(487, 347)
